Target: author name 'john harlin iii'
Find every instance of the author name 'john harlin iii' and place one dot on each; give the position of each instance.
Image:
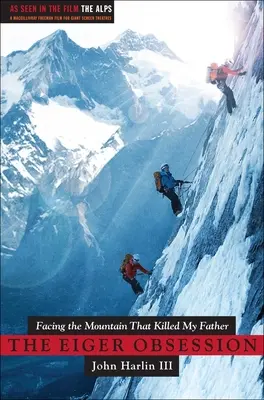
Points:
(129, 366)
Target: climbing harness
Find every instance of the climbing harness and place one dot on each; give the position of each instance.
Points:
(182, 193)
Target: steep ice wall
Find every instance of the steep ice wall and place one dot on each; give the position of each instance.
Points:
(214, 266)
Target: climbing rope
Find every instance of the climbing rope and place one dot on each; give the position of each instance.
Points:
(181, 192)
(196, 150)
(195, 169)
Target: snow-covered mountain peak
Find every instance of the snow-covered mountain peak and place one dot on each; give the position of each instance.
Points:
(157, 76)
(140, 68)
(56, 66)
(35, 70)
(58, 39)
(130, 40)
(59, 34)
(38, 52)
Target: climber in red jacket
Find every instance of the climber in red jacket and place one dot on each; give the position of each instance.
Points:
(219, 76)
(130, 271)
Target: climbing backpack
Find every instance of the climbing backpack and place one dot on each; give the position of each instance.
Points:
(126, 260)
(212, 72)
(157, 178)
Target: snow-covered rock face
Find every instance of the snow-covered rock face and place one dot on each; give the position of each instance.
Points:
(214, 265)
(44, 114)
(23, 157)
(38, 148)
(158, 78)
(133, 41)
(56, 66)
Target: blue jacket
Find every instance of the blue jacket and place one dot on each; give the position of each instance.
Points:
(167, 180)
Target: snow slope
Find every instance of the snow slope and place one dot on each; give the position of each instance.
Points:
(70, 126)
(215, 263)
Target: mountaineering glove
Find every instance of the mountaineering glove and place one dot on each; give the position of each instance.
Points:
(242, 73)
(150, 273)
(177, 183)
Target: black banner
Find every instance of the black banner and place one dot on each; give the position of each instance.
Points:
(66, 11)
(131, 366)
(131, 325)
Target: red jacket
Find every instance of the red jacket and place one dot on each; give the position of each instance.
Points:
(224, 71)
(131, 270)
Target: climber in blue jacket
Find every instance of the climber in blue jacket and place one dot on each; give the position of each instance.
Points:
(168, 184)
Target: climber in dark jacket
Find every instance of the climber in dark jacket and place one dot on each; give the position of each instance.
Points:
(168, 184)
